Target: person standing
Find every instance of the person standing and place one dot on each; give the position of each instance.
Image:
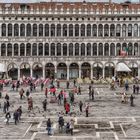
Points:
(137, 89)
(68, 84)
(42, 86)
(80, 106)
(131, 100)
(45, 104)
(49, 125)
(46, 92)
(79, 90)
(21, 92)
(87, 110)
(74, 82)
(61, 123)
(92, 94)
(71, 126)
(134, 88)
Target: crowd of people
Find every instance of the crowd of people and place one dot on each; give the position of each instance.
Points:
(63, 97)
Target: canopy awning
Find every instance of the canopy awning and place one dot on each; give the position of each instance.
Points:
(2, 67)
(122, 67)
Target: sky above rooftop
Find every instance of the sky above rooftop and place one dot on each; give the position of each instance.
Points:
(26, 1)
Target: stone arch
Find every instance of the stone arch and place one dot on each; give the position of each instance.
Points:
(73, 70)
(25, 69)
(37, 70)
(97, 70)
(49, 70)
(12, 70)
(85, 70)
(109, 69)
(62, 71)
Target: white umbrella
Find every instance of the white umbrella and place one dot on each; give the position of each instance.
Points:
(122, 67)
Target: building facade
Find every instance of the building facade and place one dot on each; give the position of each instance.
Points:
(69, 40)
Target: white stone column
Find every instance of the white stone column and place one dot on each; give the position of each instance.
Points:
(43, 68)
(138, 70)
(91, 73)
(79, 71)
(18, 73)
(103, 72)
(55, 71)
(68, 72)
(31, 72)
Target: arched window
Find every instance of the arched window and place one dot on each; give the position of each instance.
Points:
(46, 49)
(58, 29)
(100, 30)
(9, 49)
(64, 49)
(52, 30)
(136, 49)
(9, 29)
(88, 49)
(3, 30)
(106, 49)
(112, 49)
(34, 29)
(64, 30)
(16, 30)
(16, 50)
(100, 49)
(70, 49)
(106, 30)
(94, 49)
(70, 30)
(22, 30)
(58, 49)
(136, 30)
(94, 32)
(118, 49)
(40, 49)
(76, 30)
(28, 30)
(40, 29)
(52, 49)
(34, 49)
(118, 30)
(3, 49)
(22, 49)
(82, 49)
(28, 49)
(82, 30)
(46, 30)
(124, 46)
(130, 49)
(88, 30)
(130, 30)
(76, 49)
(124, 30)
(112, 30)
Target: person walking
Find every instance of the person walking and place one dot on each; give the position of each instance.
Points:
(79, 90)
(5, 107)
(16, 116)
(49, 125)
(7, 116)
(61, 123)
(21, 92)
(19, 110)
(137, 89)
(42, 86)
